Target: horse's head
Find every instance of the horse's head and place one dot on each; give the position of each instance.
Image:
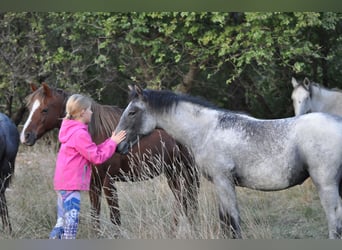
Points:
(136, 119)
(301, 96)
(46, 108)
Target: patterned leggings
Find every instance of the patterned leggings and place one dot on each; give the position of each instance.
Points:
(68, 209)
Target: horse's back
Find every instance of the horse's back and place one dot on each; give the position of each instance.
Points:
(321, 123)
(329, 101)
(146, 159)
(157, 143)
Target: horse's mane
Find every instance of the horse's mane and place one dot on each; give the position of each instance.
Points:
(29, 99)
(336, 90)
(320, 87)
(164, 100)
(40, 95)
(104, 119)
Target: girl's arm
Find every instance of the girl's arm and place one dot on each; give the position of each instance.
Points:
(96, 154)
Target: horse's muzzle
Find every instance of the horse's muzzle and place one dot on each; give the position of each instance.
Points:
(122, 148)
(30, 139)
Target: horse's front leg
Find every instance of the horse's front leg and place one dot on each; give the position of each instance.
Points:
(95, 193)
(185, 188)
(191, 174)
(176, 185)
(111, 193)
(329, 188)
(331, 202)
(228, 208)
(191, 190)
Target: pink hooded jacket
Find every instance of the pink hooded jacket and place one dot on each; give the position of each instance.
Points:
(76, 154)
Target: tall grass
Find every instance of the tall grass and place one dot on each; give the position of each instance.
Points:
(147, 207)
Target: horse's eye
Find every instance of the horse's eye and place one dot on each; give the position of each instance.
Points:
(131, 113)
(44, 111)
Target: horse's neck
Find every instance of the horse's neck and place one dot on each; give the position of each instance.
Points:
(64, 98)
(324, 100)
(187, 123)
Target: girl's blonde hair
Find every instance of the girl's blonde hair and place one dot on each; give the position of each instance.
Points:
(75, 104)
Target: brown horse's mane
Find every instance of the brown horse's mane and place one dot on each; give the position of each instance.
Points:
(104, 118)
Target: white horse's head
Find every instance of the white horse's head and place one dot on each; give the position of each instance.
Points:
(136, 119)
(301, 96)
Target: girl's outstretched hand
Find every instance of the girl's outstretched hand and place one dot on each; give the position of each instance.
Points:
(119, 137)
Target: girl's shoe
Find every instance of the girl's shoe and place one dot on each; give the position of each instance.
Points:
(56, 233)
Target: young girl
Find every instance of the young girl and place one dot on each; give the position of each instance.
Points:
(74, 159)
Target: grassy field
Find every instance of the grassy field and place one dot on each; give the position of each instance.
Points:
(147, 207)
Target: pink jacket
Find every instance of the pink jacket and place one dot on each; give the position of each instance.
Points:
(77, 152)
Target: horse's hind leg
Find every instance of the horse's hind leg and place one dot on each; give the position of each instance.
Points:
(331, 202)
(4, 213)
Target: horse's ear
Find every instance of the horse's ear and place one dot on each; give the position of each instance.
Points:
(130, 87)
(47, 90)
(294, 82)
(306, 83)
(139, 90)
(33, 87)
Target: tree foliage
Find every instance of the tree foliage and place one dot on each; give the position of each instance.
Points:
(240, 61)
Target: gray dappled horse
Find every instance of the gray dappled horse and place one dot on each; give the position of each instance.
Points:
(310, 97)
(9, 144)
(235, 149)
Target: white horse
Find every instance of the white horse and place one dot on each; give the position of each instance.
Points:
(236, 149)
(311, 97)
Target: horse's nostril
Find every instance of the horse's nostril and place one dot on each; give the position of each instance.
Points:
(27, 135)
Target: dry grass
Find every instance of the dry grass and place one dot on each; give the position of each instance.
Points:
(147, 207)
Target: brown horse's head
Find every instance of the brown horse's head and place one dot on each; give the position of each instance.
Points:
(46, 109)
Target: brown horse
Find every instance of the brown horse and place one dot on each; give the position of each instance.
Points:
(155, 153)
